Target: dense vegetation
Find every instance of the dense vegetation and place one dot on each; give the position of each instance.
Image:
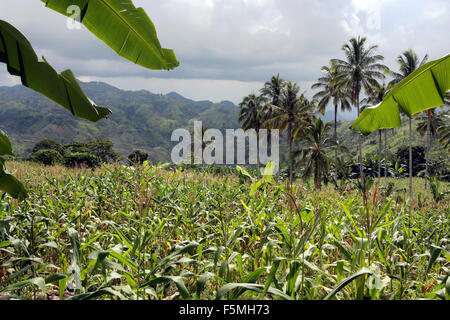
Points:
(90, 154)
(144, 232)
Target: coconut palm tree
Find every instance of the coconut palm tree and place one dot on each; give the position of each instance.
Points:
(251, 114)
(313, 157)
(408, 62)
(291, 116)
(331, 91)
(359, 71)
(273, 90)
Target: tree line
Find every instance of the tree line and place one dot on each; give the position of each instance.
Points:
(281, 105)
(81, 154)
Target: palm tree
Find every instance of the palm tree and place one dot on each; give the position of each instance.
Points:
(332, 91)
(408, 62)
(290, 116)
(272, 90)
(313, 157)
(376, 96)
(359, 71)
(251, 114)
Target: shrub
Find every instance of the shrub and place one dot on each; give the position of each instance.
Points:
(102, 149)
(48, 157)
(48, 145)
(137, 156)
(418, 157)
(81, 159)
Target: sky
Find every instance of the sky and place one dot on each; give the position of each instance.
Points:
(229, 48)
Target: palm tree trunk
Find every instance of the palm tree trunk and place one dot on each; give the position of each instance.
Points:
(379, 155)
(335, 126)
(428, 147)
(361, 171)
(385, 153)
(291, 167)
(410, 160)
(317, 182)
(257, 155)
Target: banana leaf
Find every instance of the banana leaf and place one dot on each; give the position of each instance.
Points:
(123, 27)
(422, 90)
(21, 60)
(5, 145)
(10, 184)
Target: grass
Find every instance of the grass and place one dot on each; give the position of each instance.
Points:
(148, 233)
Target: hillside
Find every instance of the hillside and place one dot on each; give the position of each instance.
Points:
(139, 120)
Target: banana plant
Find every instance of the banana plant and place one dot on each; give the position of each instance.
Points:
(423, 89)
(118, 23)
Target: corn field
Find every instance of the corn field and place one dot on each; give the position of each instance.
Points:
(151, 233)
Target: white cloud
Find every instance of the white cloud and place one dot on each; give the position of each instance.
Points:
(223, 45)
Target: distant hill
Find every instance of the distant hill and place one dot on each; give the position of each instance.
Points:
(139, 119)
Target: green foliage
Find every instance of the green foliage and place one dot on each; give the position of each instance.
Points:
(137, 157)
(90, 154)
(81, 159)
(49, 157)
(419, 90)
(48, 145)
(418, 156)
(124, 28)
(103, 150)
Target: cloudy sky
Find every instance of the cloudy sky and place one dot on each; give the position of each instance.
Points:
(229, 48)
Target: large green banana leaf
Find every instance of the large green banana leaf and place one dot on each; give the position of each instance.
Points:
(422, 90)
(22, 61)
(123, 27)
(7, 182)
(10, 184)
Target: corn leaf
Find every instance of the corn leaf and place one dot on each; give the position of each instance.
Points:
(124, 28)
(346, 281)
(422, 90)
(21, 60)
(223, 291)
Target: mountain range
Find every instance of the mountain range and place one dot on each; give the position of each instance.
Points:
(139, 120)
